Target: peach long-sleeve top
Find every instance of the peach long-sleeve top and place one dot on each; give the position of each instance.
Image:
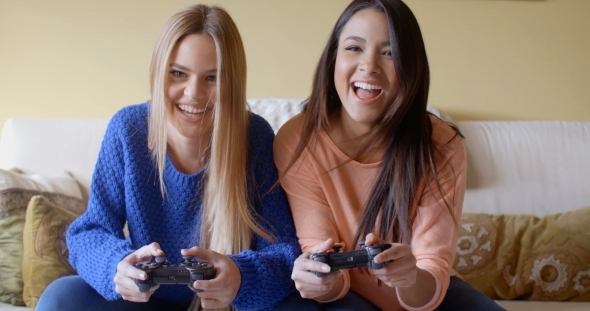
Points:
(327, 200)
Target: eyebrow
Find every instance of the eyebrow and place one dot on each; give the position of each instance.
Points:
(181, 67)
(359, 39)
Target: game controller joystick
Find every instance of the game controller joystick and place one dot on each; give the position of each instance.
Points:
(160, 271)
(343, 260)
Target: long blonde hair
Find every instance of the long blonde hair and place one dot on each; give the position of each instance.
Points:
(228, 220)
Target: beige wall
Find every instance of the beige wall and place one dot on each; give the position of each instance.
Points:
(490, 59)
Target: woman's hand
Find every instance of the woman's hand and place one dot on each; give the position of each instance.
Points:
(415, 286)
(308, 284)
(401, 270)
(126, 273)
(222, 290)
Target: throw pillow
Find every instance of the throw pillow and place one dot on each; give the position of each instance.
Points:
(526, 257)
(16, 191)
(45, 249)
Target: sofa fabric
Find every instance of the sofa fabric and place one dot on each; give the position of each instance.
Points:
(529, 168)
(16, 190)
(44, 247)
(526, 167)
(526, 257)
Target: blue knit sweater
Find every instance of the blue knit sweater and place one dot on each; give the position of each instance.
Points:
(125, 187)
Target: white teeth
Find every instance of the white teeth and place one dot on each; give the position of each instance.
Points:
(190, 109)
(366, 86)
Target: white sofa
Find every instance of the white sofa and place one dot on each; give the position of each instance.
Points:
(515, 167)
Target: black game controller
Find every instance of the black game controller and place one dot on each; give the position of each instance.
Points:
(358, 258)
(160, 271)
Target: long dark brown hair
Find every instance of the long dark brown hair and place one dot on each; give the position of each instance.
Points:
(404, 130)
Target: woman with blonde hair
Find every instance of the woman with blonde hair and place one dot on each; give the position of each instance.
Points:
(191, 172)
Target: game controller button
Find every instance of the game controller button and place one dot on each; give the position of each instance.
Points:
(375, 251)
(160, 259)
(143, 288)
(320, 274)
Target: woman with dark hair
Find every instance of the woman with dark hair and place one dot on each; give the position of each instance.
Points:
(365, 161)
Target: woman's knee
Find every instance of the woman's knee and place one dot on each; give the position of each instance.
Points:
(462, 296)
(351, 301)
(66, 293)
(296, 302)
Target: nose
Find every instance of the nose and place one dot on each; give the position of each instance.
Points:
(194, 89)
(369, 62)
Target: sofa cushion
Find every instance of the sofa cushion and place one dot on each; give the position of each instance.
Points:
(526, 257)
(16, 191)
(45, 247)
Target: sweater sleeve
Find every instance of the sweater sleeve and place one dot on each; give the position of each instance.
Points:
(312, 213)
(95, 240)
(435, 228)
(266, 270)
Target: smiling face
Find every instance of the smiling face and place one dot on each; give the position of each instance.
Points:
(364, 74)
(191, 85)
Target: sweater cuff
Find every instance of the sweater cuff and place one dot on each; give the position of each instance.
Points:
(119, 253)
(248, 277)
(433, 302)
(345, 287)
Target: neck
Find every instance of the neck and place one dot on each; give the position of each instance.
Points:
(189, 155)
(351, 137)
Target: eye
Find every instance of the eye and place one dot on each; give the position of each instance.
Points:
(177, 74)
(386, 53)
(353, 48)
(211, 78)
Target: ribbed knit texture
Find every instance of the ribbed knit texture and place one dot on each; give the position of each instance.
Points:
(125, 187)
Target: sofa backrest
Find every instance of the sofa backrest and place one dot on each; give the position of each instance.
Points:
(52, 146)
(513, 166)
(531, 167)
(49, 146)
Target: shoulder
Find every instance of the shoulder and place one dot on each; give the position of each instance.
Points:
(447, 140)
(132, 117)
(132, 113)
(260, 153)
(443, 132)
(259, 128)
(291, 130)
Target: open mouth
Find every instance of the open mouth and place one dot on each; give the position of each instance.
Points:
(191, 111)
(366, 90)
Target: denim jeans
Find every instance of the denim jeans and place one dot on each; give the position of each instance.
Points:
(352, 301)
(463, 297)
(72, 293)
(459, 297)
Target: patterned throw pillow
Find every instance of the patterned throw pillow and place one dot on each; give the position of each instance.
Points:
(526, 257)
(16, 191)
(45, 249)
